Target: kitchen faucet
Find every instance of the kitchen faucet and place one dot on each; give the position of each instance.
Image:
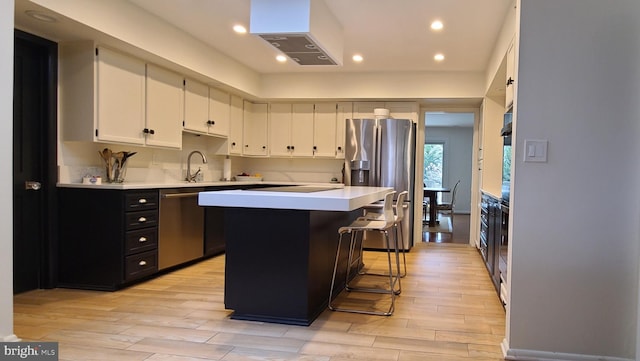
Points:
(192, 177)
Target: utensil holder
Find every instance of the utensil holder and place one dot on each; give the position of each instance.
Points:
(117, 172)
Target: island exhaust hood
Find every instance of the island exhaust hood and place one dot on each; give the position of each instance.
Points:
(304, 30)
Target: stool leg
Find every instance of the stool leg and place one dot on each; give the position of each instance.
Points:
(352, 246)
(335, 269)
(394, 277)
(400, 244)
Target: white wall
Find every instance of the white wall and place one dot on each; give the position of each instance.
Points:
(389, 86)
(574, 232)
(458, 160)
(133, 30)
(6, 182)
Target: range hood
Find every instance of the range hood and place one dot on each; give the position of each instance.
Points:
(304, 30)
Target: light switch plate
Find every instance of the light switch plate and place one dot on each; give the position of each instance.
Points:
(535, 150)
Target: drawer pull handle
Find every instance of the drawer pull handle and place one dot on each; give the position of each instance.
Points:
(142, 219)
(142, 263)
(142, 239)
(142, 200)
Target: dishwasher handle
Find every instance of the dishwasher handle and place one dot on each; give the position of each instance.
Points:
(180, 195)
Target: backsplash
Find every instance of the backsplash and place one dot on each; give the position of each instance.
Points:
(78, 159)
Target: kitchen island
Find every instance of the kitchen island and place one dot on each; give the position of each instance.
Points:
(281, 245)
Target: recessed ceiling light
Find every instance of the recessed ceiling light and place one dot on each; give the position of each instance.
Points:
(358, 58)
(438, 57)
(239, 29)
(41, 16)
(281, 58)
(437, 25)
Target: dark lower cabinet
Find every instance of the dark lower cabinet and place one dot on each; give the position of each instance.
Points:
(214, 241)
(108, 238)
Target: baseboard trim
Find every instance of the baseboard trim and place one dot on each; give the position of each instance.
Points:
(533, 355)
(11, 338)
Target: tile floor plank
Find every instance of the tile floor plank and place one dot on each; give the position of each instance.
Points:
(448, 311)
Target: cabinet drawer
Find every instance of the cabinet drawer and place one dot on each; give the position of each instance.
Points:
(140, 265)
(141, 200)
(142, 219)
(145, 239)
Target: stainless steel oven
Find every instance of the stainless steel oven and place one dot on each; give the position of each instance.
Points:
(484, 228)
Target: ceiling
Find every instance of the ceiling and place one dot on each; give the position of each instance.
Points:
(391, 35)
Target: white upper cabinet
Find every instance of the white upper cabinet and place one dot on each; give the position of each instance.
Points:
(165, 108)
(291, 130)
(219, 111)
(236, 119)
(207, 110)
(344, 112)
(403, 110)
(510, 76)
(108, 96)
(255, 130)
(302, 130)
(280, 116)
(398, 110)
(196, 106)
(120, 93)
(364, 110)
(325, 130)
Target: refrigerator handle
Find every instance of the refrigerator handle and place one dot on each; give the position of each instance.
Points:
(378, 153)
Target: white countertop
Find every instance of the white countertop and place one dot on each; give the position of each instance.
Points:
(339, 199)
(184, 184)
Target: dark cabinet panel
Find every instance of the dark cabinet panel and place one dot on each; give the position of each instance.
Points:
(108, 238)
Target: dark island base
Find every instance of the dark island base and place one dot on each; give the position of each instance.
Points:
(279, 263)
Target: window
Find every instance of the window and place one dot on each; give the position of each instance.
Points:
(433, 160)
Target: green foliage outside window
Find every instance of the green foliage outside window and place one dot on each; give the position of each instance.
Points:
(433, 155)
(506, 164)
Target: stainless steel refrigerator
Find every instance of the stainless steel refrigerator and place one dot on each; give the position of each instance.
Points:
(381, 153)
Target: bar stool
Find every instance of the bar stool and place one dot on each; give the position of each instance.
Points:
(398, 237)
(358, 226)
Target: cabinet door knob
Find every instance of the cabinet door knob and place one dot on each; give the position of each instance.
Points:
(142, 263)
(233, 144)
(142, 239)
(509, 81)
(142, 219)
(288, 147)
(142, 200)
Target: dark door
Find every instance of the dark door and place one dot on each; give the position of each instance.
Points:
(34, 159)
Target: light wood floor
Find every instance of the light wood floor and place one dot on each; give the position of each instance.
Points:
(448, 310)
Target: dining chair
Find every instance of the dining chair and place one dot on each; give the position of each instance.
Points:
(448, 208)
(425, 206)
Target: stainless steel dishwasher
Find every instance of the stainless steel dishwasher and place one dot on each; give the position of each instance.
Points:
(180, 227)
